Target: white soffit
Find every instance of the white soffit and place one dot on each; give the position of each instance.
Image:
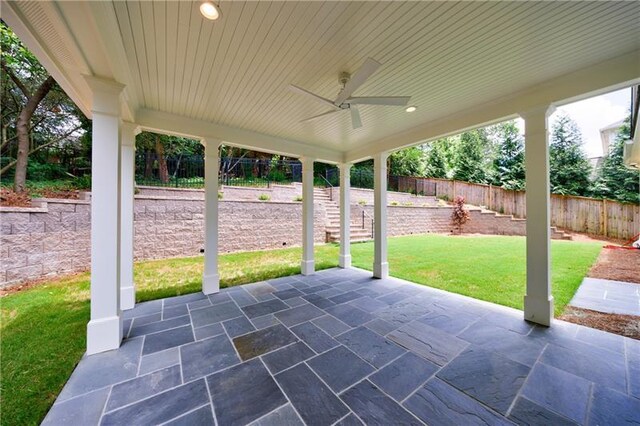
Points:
(449, 56)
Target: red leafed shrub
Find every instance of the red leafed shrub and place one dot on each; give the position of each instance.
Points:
(460, 214)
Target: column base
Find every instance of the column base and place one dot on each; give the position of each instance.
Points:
(308, 267)
(538, 310)
(127, 298)
(104, 334)
(381, 270)
(344, 261)
(211, 283)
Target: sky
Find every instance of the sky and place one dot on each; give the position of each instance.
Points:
(593, 114)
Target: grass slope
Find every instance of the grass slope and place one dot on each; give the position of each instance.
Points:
(43, 328)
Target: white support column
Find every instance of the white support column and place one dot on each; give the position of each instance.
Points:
(538, 302)
(211, 277)
(380, 265)
(344, 260)
(127, 182)
(104, 331)
(307, 265)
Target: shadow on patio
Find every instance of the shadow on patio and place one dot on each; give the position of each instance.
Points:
(341, 347)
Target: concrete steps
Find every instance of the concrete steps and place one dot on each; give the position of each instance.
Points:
(332, 228)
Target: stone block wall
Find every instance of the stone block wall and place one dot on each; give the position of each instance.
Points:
(54, 236)
(359, 195)
(407, 220)
(48, 239)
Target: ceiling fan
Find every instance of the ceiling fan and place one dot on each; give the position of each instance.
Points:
(350, 83)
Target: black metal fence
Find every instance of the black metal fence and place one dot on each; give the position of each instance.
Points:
(188, 171)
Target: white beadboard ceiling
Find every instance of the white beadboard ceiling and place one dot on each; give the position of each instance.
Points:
(449, 56)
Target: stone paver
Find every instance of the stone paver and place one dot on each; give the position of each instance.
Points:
(341, 348)
(609, 296)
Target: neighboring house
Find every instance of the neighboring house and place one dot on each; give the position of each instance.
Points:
(632, 147)
(607, 135)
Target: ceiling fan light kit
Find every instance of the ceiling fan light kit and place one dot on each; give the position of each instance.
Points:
(350, 83)
(210, 10)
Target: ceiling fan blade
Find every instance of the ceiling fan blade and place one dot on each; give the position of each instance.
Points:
(357, 79)
(356, 120)
(320, 115)
(313, 96)
(380, 100)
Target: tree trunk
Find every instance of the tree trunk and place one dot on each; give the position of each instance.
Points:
(148, 165)
(22, 131)
(163, 171)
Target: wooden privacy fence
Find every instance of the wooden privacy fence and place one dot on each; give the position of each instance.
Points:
(607, 218)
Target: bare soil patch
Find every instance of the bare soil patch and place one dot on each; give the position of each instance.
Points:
(624, 325)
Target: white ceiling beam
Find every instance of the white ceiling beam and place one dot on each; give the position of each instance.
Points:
(106, 24)
(614, 74)
(167, 123)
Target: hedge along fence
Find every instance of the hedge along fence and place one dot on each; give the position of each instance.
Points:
(606, 218)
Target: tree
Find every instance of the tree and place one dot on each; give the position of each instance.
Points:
(569, 168)
(508, 165)
(407, 162)
(36, 113)
(471, 157)
(439, 158)
(614, 180)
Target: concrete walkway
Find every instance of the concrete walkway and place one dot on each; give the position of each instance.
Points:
(608, 296)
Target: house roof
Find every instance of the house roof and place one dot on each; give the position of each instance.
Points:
(464, 64)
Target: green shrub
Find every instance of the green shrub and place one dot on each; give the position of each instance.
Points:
(264, 197)
(407, 203)
(297, 198)
(276, 175)
(83, 182)
(44, 171)
(219, 195)
(362, 202)
(393, 203)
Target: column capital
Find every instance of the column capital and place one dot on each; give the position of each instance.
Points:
(307, 160)
(345, 166)
(105, 94)
(545, 110)
(131, 129)
(210, 142)
(383, 155)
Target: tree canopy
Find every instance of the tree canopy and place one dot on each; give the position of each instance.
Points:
(569, 168)
(38, 118)
(614, 180)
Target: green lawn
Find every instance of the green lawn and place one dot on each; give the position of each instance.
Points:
(43, 329)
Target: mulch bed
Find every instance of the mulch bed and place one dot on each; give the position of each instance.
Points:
(624, 325)
(617, 265)
(11, 198)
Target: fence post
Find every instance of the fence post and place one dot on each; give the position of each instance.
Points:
(605, 219)
(453, 197)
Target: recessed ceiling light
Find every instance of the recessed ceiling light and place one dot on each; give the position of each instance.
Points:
(411, 108)
(210, 10)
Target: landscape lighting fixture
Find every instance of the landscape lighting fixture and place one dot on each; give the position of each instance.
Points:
(411, 108)
(209, 10)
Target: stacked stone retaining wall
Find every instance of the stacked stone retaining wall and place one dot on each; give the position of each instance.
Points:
(53, 236)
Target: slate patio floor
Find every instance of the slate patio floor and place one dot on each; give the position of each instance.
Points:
(341, 348)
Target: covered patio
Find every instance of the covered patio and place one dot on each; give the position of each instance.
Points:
(163, 67)
(340, 347)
